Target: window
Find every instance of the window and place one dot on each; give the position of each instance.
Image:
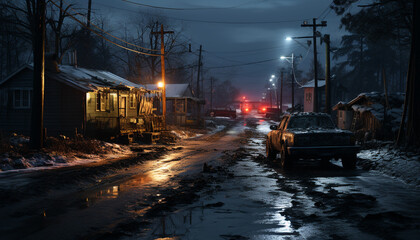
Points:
(22, 98)
(112, 101)
(132, 101)
(311, 122)
(102, 101)
(3, 97)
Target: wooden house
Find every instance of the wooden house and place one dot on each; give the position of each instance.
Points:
(181, 105)
(77, 100)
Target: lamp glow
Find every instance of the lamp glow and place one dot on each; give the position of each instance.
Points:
(288, 39)
(282, 57)
(160, 84)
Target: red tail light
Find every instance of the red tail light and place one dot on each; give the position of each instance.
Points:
(246, 109)
(264, 109)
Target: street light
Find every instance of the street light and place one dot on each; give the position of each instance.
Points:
(160, 84)
(289, 39)
(291, 60)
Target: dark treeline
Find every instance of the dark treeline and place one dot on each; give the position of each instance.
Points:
(378, 41)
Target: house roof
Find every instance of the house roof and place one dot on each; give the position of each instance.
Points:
(311, 84)
(82, 78)
(180, 90)
(89, 79)
(340, 105)
(26, 66)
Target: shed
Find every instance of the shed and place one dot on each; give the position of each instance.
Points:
(181, 105)
(93, 102)
(369, 113)
(308, 105)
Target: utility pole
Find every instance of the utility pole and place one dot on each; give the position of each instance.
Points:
(37, 115)
(327, 74)
(314, 25)
(211, 94)
(88, 14)
(162, 64)
(281, 93)
(276, 89)
(293, 82)
(198, 83)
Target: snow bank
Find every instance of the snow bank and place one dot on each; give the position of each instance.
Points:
(12, 161)
(393, 162)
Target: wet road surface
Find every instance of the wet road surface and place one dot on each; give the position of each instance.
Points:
(240, 197)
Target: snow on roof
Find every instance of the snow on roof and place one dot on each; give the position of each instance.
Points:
(89, 79)
(173, 90)
(311, 83)
(339, 106)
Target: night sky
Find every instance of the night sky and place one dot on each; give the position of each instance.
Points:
(236, 32)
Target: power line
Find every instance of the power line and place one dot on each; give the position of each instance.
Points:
(102, 30)
(209, 21)
(325, 10)
(246, 51)
(244, 64)
(184, 9)
(100, 35)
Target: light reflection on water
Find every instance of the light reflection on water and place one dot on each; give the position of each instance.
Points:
(161, 173)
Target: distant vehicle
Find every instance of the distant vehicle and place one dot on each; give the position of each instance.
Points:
(262, 109)
(272, 113)
(310, 136)
(222, 112)
(246, 108)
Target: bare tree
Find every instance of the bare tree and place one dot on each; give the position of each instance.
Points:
(146, 69)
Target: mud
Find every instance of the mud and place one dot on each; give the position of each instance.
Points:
(234, 193)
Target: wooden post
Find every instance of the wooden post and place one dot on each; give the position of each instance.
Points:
(162, 64)
(37, 116)
(327, 74)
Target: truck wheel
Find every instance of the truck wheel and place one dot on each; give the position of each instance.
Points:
(286, 161)
(349, 162)
(271, 155)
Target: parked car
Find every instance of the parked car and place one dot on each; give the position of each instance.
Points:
(310, 136)
(222, 112)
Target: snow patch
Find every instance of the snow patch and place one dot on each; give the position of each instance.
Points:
(393, 162)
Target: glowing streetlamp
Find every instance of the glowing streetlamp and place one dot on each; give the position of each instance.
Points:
(160, 84)
(291, 60)
(289, 39)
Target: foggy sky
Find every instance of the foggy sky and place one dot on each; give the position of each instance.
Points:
(227, 44)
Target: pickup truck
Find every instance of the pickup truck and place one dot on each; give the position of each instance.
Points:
(310, 136)
(222, 112)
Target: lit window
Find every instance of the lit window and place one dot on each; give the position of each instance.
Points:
(132, 100)
(102, 101)
(22, 98)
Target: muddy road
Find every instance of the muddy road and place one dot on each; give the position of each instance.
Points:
(165, 192)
